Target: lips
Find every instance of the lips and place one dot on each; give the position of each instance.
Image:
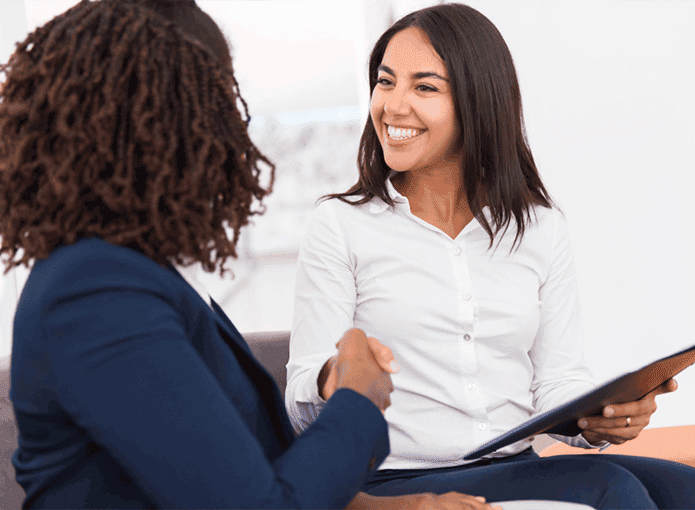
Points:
(402, 133)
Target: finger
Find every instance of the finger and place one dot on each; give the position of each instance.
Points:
(643, 407)
(389, 383)
(621, 422)
(354, 340)
(612, 435)
(473, 502)
(428, 501)
(346, 335)
(331, 384)
(667, 387)
(383, 355)
(624, 432)
(384, 403)
(456, 500)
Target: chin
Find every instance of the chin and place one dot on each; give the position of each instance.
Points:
(400, 164)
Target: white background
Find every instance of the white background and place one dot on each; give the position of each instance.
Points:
(610, 111)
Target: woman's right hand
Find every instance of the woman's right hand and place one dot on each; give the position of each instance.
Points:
(423, 501)
(363, 365)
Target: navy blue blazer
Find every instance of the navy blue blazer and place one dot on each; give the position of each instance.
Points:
(131, 392)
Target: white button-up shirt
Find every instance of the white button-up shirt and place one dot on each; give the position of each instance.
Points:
(485, 338)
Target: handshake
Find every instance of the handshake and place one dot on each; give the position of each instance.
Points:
(363, 365)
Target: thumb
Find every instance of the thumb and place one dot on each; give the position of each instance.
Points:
(382, 355)
(668, 386)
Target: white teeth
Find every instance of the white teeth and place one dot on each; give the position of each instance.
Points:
(402, 133)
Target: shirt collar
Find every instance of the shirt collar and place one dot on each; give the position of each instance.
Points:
(377, 205)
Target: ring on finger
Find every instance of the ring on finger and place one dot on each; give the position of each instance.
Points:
(627, 421)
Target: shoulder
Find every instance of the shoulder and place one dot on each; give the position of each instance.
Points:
(546, 224)
(545, 233)
(339, 216)
(91, 265)
(95, 257)
(547, 238)
(338, 208)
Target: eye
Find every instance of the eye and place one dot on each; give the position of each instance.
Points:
(425, 88)
(384, 81)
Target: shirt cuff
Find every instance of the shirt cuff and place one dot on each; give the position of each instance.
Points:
(583, 443)
(306, 403)
(580, 441)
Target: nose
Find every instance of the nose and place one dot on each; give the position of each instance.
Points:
(396, 102)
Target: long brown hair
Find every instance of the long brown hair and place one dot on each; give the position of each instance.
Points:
(498, 167)
(119, 122)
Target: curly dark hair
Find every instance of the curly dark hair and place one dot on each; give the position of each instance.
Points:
(116, 122)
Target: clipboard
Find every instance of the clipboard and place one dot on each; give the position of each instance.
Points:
(563, 419)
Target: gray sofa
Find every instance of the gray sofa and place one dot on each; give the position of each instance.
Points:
(11, 494)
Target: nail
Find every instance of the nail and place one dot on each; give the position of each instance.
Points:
(394, 366)
(582, 424)
(480, 498)
(608, 411)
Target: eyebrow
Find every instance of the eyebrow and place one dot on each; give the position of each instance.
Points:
(416, 76)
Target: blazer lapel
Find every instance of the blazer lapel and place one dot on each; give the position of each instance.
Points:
(268, 389)
(236, 342)
(229, 328)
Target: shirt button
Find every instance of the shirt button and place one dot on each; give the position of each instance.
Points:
(467, 297)
(482, 426)
(471, 386)
(466, 337)
(457, 251)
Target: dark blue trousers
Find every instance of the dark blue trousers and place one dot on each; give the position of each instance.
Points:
(608, 481)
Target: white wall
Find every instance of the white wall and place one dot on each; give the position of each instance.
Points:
(13, 28)
(607, 88)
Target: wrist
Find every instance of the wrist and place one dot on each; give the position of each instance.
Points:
(323, 376)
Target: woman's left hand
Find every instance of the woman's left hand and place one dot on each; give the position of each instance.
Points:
(622, 422)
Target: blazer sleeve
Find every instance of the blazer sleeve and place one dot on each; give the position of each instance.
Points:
(127, 374)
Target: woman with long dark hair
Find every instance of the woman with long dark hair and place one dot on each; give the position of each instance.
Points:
(450, 250)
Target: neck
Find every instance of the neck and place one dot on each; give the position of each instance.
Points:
(438, 193)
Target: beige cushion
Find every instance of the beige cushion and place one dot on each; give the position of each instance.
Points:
(670, 443)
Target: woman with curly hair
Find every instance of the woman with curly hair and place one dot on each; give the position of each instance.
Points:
(124, 159)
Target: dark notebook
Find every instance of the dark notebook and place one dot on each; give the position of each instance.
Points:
(563, 419)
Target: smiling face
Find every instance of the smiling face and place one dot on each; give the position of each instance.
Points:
(412, 107)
